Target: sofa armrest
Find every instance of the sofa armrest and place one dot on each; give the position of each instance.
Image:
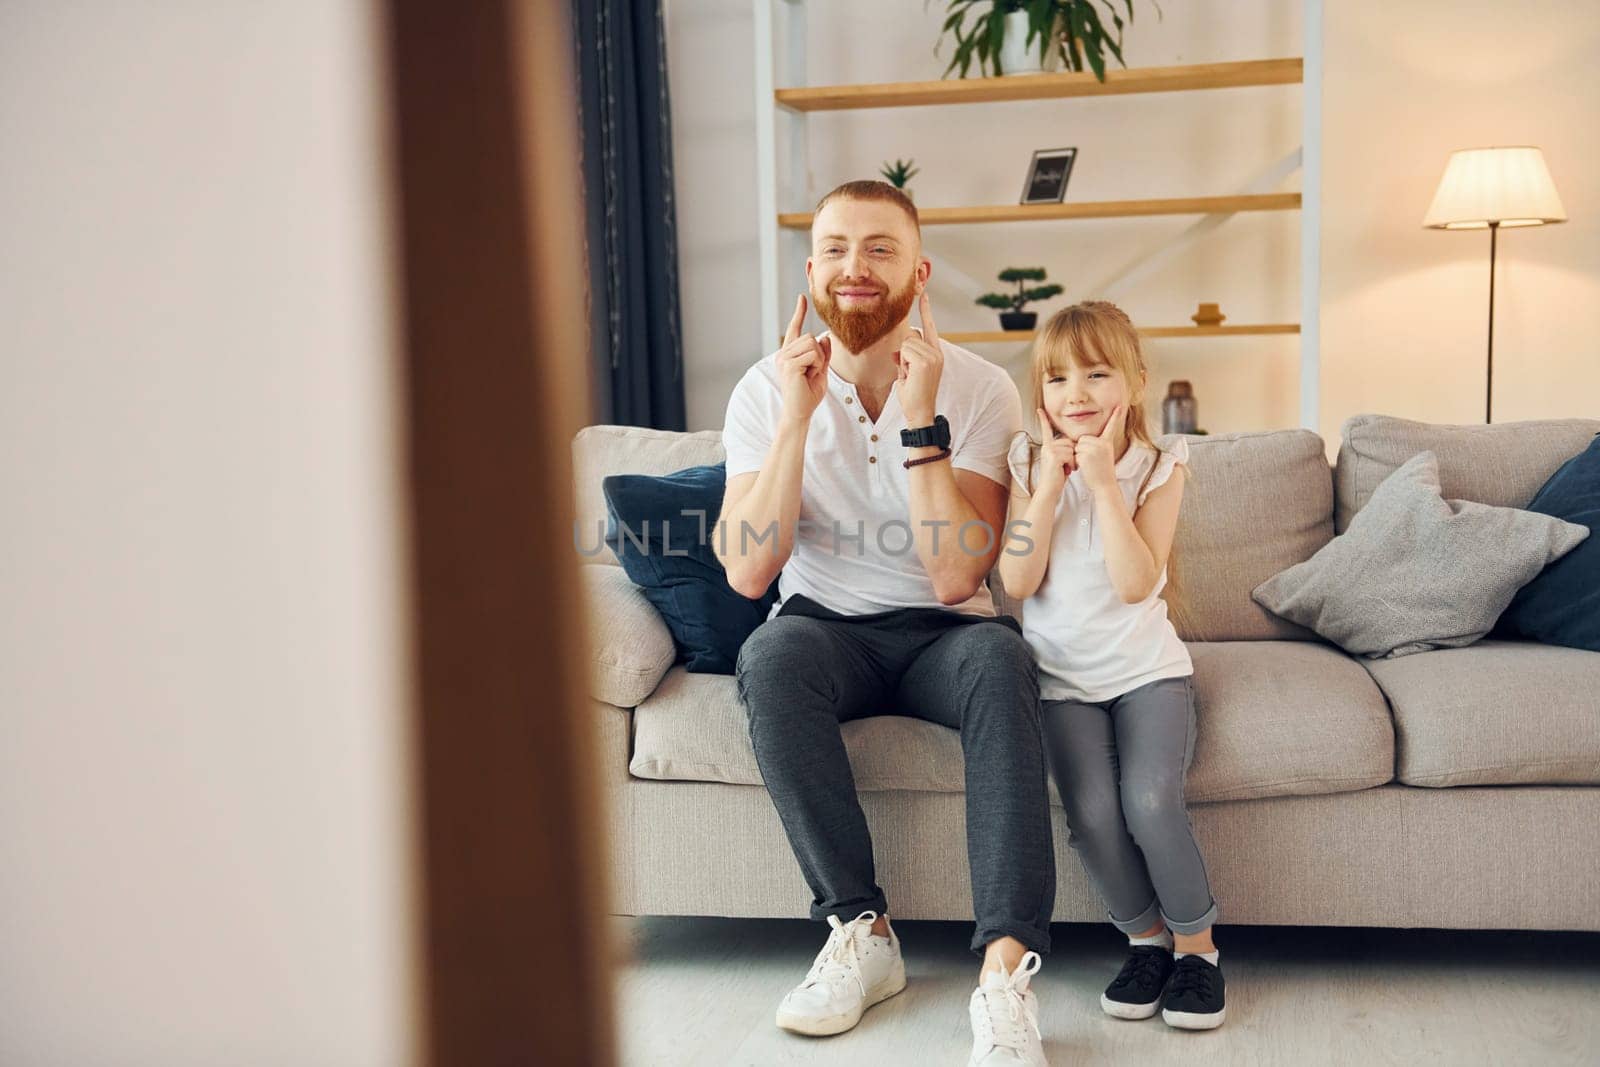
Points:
(631, 646)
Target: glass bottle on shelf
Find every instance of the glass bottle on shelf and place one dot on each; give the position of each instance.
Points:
(1178, 414)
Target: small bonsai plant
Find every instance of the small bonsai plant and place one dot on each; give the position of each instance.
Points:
(1012, 317)
(899, 172)
(1073, 29)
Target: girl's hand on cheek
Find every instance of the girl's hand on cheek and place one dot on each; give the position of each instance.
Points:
(1057, 456)
(1096, 453)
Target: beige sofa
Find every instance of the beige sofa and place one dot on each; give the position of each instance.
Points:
(1453, 789)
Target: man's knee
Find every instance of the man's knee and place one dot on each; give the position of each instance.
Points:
(775, 646)
(993, 646)
(991, 659)
(776, 670)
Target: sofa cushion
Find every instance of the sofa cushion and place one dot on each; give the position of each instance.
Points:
(1282, 718)
(628, 641)
(1415, 571)
(1562, 605)
(1256, 504)
(599, 451)
(1495, 713)
(693, 729)
(663, 529)
(1275, 718)
(1503, 464)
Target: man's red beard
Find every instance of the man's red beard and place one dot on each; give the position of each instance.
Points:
(859, 329)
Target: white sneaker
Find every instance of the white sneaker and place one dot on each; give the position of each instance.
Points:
(854, 971)
(1005, 1019)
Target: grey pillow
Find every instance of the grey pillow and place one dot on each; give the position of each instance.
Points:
(1415, 571)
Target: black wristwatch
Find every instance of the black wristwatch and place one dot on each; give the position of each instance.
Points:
(935, 436)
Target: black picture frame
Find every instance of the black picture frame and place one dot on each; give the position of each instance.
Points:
(1048, 174)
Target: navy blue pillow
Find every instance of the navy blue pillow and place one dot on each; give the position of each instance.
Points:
(1562, 605)
(668, 554)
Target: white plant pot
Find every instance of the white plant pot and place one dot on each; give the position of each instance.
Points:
(1017, 56)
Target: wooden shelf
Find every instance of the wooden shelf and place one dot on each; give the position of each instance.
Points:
(1220, 331)
(986, 336)
(1044, 86)
(1101, 209)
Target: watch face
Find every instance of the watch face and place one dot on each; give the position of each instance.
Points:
(937, 435)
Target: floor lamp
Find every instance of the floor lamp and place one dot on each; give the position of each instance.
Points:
(1487, 188)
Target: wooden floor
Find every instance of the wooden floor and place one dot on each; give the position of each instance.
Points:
(702, 991)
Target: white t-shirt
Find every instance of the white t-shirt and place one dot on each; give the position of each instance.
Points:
(1090, 645)
(854, 551)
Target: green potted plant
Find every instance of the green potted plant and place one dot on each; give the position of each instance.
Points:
(1024, 36)
(1012, 317)
(899, 173)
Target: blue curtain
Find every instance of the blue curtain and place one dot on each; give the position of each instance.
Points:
(631, 226)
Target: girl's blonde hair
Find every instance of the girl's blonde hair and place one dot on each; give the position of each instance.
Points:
(1095, 333)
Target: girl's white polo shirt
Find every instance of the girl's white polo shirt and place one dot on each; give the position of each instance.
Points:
(1090, 645)
(854, 551)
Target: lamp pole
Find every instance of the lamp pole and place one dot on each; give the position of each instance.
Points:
(1488, 397)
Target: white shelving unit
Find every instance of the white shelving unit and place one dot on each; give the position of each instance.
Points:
(784, 104)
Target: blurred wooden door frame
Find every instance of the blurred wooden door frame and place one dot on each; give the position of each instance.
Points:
(512, 894)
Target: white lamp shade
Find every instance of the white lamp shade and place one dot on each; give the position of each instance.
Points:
(1510, 186)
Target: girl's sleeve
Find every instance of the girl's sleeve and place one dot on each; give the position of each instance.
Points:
(1167, 461)
(1019, 459)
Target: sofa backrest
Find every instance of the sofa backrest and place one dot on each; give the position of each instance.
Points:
(599, 451)
(1256, 503)
(1503, 464)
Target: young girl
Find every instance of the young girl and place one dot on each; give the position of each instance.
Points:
(1100, 505)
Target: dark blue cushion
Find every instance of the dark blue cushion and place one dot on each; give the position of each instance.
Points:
(1562, 605)
(668, 554)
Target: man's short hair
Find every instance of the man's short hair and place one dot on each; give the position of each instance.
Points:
(871, 189)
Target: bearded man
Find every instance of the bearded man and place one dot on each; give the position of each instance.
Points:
(868, 466)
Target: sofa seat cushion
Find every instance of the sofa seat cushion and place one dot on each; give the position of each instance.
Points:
(692, 728)
(1275, 718)
(1495, 713)
(1283, 718)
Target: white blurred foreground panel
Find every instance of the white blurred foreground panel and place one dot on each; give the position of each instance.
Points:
(203, 706)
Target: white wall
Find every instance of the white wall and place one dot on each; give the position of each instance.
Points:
(1404, 309)
(1185, 144)
(202, 793)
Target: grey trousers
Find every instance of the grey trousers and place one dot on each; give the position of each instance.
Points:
(809, 669)
(1119, 765)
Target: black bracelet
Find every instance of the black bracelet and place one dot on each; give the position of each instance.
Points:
(944, 454)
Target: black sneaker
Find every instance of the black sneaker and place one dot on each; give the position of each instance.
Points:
(1194, 999)
(1136, 991)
